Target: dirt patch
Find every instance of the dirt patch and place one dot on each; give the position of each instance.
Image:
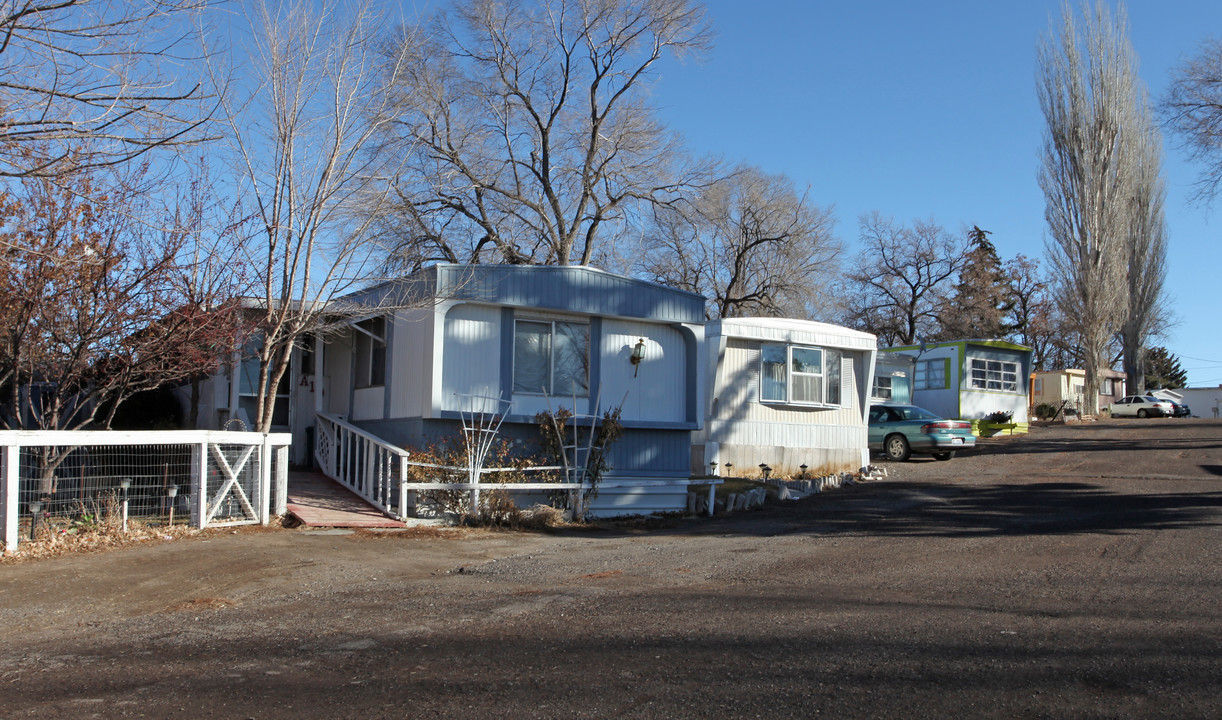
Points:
(1069, 573)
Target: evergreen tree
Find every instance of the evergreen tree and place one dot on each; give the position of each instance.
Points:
(1163, 371)
(982, 298)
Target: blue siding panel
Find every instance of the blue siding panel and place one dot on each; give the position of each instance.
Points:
(568, 289)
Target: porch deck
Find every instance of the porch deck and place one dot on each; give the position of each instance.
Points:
(318, 501)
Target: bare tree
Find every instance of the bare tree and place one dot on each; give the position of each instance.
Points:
(1192, 108)
(529, 138)
(1089, 93)
(1032, 316)
(301, 138)
(897, 286)
(113, 76)
(99, 301)
(1146, 271)
(751, 243)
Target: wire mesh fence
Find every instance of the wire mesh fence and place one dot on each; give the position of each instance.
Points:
(98, 479)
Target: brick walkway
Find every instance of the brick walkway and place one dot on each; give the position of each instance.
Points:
(318, 501)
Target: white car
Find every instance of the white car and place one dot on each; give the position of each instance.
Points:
(1142, 406)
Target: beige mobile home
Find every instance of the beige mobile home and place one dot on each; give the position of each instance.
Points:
(784, 393)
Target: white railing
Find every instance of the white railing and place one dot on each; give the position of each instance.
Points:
(213, 478)
(362, 462)
(378, 471)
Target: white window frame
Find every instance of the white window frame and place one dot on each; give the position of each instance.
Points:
(876, 392)
(369, 353)
(551, 359)
(825, 375)
(993, 375)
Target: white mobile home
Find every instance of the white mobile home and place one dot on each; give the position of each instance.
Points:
(784, 393)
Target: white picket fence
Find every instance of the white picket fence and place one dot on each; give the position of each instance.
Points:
(212, 477)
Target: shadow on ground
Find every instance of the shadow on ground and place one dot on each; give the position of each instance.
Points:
(948, 510)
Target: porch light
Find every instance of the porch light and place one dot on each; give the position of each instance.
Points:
(638, 354)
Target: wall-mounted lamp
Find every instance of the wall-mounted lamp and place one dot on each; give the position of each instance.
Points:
(638, 354)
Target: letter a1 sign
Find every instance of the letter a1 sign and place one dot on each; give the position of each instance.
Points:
(307, 381)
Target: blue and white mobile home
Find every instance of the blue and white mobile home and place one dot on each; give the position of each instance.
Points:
(417, 352)
(970, 379)
(893, 378)
(784, 393)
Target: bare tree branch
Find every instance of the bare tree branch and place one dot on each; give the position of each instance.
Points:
(529, 138)
(103, 75)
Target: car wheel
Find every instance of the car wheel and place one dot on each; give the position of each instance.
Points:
(944, 455)
(897, 448)
(1142, 413)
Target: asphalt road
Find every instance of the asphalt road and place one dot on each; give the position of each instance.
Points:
(1071, 573)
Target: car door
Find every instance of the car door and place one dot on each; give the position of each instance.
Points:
(878, 426)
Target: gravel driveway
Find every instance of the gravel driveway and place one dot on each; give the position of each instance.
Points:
(1074, 572)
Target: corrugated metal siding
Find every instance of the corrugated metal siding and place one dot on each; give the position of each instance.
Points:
(799, 332)
(368, 403)
(408, 364)
(738, 389)
(651, 453)
(656, 389)
(471, 354)
(568, 289)
(976, 404)
(337, 373)
(848, 384)
(788, 434)
(944, 403)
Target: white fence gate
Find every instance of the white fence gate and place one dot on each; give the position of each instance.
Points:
(213, 478)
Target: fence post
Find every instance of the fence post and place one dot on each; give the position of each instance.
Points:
(401, 480)
(10, 497)
(282, 479)
(199, 508)
(265, 479)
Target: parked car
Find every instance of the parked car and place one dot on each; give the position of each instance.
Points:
(901, 430)
(1141, 406)
(1180, 409)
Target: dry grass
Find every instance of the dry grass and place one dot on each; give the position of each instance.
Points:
(55, 541)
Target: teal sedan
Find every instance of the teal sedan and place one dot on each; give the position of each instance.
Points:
(901, 430)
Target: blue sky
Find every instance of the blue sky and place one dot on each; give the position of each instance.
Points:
(921, 110)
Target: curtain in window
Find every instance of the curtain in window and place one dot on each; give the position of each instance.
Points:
(807, 378)
(772, 373)
(833, 364)
(570, 361)
(531, 357)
